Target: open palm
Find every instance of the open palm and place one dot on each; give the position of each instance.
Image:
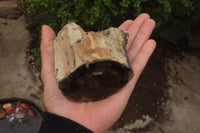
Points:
(100, 115)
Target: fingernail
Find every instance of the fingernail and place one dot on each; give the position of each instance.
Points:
(42, 33)
(43, 27)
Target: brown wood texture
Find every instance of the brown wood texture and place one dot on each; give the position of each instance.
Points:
(91, 66)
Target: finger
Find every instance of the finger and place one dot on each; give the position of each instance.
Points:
(134, 28)
(142, 58)
(47, 52)
(48, 69)
(141, 37)
(125, 25)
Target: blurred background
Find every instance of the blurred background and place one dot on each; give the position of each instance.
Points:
(166, 97)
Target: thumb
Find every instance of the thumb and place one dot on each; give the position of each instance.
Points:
(48, 68)
(47, 53)
(53, 97)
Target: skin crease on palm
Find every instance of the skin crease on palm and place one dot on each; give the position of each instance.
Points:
(101, 115)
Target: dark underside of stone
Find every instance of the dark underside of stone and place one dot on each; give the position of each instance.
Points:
(95, 82)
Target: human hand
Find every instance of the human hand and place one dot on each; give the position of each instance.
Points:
(100, 115)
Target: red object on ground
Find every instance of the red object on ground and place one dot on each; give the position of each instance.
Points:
(31, 113)
(10, 110)
(25, 106)
(2, 115)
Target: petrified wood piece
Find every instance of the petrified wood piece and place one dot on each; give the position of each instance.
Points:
(91, 66)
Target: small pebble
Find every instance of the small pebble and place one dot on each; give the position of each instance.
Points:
(11, 119)
(7, 105)
(10, 110)
(20, 120)
(2, 115)
(20, 115)
(17, 110)
(31, 113)
(25, 106)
